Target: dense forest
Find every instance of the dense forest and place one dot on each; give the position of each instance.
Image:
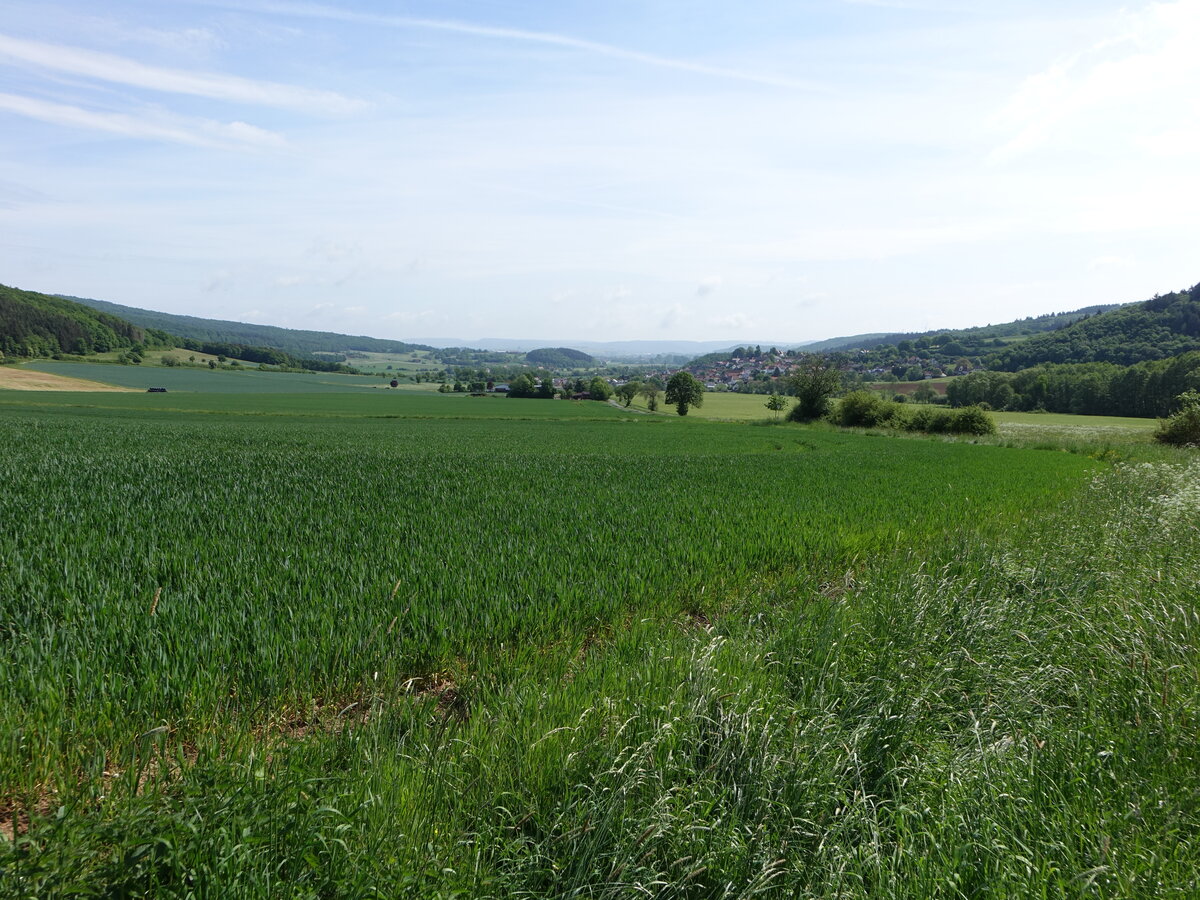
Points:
(1163, 326)
(33, 324)
(1150, 388)
(290, 340)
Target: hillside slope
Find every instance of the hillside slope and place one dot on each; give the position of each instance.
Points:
(291, 340)
(33, 324)
(1163, 326)
(974, 336)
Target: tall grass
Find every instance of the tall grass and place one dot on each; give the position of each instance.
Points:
(605, 660)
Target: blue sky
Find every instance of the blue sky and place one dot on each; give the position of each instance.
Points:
(601, 171)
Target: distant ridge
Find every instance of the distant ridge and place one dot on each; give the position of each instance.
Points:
(1018, 327)
(291, 340)
(603, 349)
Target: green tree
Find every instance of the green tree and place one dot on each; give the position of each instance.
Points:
(651, 392)
(599, 389)
(924, 394)
(522, 386)
(628, 391)
(683, 390)
(812, 384)
(776, 403)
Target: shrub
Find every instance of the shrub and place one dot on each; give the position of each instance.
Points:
(864, 409)
(926, 419)
(971, 420)
(1182, 426)
(968, 420)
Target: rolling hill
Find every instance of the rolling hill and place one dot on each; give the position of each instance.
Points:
(1163, 326)
(33, 324)
(291, 340)
(977, 335)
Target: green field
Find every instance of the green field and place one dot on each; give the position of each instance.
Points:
(405, 644)
(731, 406)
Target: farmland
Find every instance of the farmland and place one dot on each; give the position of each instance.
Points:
(399, 643)
(187, 378)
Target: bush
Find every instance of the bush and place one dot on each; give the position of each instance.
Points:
(1183, 426)
(863, 409)
(971, 420)
(968, 420)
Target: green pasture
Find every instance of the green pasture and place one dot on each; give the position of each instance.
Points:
(726, 405)
(402, 364)
(405, 644)
(732, 406)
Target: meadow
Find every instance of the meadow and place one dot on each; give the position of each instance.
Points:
(407, 644)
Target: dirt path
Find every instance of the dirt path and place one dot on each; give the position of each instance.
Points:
(14, 379)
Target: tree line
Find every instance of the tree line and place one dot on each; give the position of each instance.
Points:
(1146, 389)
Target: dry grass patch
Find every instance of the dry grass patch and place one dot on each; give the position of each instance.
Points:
(13, 379)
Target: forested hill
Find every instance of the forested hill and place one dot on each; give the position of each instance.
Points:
(1163, 326)
(33, 324)
(560, 358)
(975, 336)
(290, 340)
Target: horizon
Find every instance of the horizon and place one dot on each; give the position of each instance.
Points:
(650, 174)
(525, 344)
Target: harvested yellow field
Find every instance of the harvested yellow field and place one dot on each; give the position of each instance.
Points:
(14, 379)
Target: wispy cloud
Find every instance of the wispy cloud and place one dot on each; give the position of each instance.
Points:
(1118, 87)
(119, 70)
(197, 132)
(318, 11)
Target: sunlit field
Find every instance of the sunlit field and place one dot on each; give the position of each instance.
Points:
(409, 644)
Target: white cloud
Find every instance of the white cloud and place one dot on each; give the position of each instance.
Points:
(119, 70)
(317, 11)
(197, 132)
(1111, 262)
(1141, 79)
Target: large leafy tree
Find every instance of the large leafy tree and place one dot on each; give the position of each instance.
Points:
(684, 391)
(812, 384)
(599, 389)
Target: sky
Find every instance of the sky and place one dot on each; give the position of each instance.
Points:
(617, 170)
